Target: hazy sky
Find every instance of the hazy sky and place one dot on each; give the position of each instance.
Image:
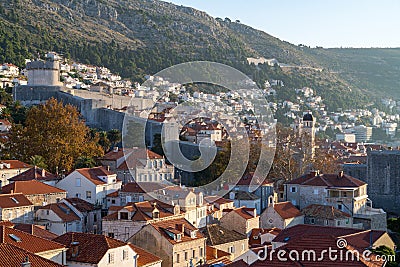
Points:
(327, 23)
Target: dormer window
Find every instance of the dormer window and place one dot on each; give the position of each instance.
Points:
(123, 215)
(156, 214)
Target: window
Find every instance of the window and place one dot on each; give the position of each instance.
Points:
(194, 254)
(293, 189)
(201, 252)
(78, 195)
(312, 221)
(113, 201)
(123, 216)
(338, 223)
(186, 255)
(326, 222)
(88, 194)
(111, 235)
(78, 182)
(177, 258)
(315, 191)
(111, 257)
(125, 254)
(339, 206)
(231, 249)
(95, 217)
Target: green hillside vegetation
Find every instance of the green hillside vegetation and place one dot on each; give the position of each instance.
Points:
(139, 37)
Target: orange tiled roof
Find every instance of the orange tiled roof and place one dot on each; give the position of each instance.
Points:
(328, 180)
(35, 230)
(173, 226)
(324, 212)
(145, 258)
(11, 255)
(13, 201)
(34, 173)
(62, 211)
(80, 204)
(28, 242)
(91, 247)
(31, 187)
(214, 255)
(286, 210)
(15, 164)
(92, 174)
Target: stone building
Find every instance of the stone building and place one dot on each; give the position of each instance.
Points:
(383, 178)
(341, 191)
(176, 242)
(40, 194)
(241, 220)
(280, 215)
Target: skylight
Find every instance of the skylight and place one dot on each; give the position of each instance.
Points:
(13, 199)
(15, 238)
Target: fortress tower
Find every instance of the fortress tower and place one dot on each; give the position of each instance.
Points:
(44, 73)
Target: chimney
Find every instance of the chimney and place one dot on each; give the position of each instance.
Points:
(314, 173)
(43, 172)
(26, 262)
(74, 249)
(215, 253)
(181, 227)
(108, 168)
(115, 149)
(340, 175)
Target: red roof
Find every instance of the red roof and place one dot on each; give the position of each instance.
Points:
(34, 173)
(11, 255)
(214, 255)
(256, 233)
(246, 213)
(174, 226)
(91, 247)
(28, 242)
(92, 174)
(320, 244)
(286, 210)
(328, 180)
(145, 258)
(324, 212)
(80, 204)
(250, 179)
(31, 187)
(36, 230)
(62, 211)
(15, 164)
(13, 201)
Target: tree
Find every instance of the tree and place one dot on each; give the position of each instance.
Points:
(38, 161)
(85, 162)
(56, 133)
(103, 140)
(389, 254)
(114, 136)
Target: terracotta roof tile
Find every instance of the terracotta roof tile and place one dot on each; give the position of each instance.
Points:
(145, 258)
(11, 256)
(31, 187)
(28, 242)
(286, 210)
(80, 204)
(214, 255)
(92, 174)
(92, 248)
(14, 200)
(324, 212)
(34, 173)
(15, 164)
(35, 230)
(163, 227)
(62, 211)
(217, 235)
(328, 180)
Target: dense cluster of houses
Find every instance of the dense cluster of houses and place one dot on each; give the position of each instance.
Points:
(100, 217)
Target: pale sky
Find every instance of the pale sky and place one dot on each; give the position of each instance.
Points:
(327, 23)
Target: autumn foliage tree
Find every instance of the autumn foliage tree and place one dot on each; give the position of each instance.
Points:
(55, 132)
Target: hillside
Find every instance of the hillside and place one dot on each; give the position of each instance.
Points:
(137, 37)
